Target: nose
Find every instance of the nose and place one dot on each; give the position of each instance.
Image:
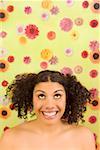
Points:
(49, 104)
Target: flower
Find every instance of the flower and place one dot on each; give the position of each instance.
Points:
(93, 73)
(85, 4)
(5, 112)
(45, 16)
(94, 93)
(74, 35)
(66, 70)
(3, 15)
(3, 34)
(94, 45)
(51, 35)
(94, 23)
(54, 10)
(3, 65)
(10, 8)
(3, 52)
(95, 6)
(84, 54)
(66, 24)
(78, 21)
(78, 69)
(46, 4)
(31, 31)
(68, 51)
(28, 10)
(22, 40)
(20, 29)
(27, 59)
(53, 60)
(92, 119)
(95, 56)
(46, 54)
(44, 65)
(69, 2)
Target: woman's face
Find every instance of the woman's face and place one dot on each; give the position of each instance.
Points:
(49, 100)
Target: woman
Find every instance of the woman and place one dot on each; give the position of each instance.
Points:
(59, 102)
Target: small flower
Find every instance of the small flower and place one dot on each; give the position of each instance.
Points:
(53, 60)
(85, 4)
(3, 15)
(3, 52)
(11, 59)
(51, 35)
(94, 45)
(68, 51)
(92, 119)
(93, 93)
(10, 8)
(31, 31)
(28, 10)
(95, 56)
(20, 29)
(66, 70)
(27, 59)
(46, 54)
(93, 23)
(78, 21)
(46, 4)
(93, 73)
(54, 10)
(45, 16)
(5, 112)
(69, 2)
(66, 24)
(84, 54)
(78, 69)
(95, 6)
(3, 65)
(3, 34)
(44, 65)
(74, 35)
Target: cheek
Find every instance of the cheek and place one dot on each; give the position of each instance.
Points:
(36, 103)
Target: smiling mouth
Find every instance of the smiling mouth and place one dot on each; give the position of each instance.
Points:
(49, 115)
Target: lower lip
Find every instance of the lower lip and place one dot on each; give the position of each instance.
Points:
(49, 117)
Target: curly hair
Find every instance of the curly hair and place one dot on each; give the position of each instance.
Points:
(21, 90)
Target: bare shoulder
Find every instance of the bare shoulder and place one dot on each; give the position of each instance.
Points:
(87, 137)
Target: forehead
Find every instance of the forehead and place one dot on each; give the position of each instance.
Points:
(53, 86)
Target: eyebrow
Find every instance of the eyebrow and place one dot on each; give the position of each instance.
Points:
(44, 91)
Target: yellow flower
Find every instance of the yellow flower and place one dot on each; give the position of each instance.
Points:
(46, 54)
(46, 4)
(74, 35)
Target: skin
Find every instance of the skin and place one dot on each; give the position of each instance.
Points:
(48, 132)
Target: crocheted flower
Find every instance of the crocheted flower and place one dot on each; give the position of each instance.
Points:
(46, 54)
(74, 35)
(93, 93)
(94, 45)
(66, 70)
(3, 34)
(53, 60)
(44, 65)
(95, 56)
(31, 31)
(28, 10)
(5, 112)
(95, 6)
(54, 10)
(66, 24)
(46, 4)
(3, 15)
(27, 59)
(3, 65)
(3, 52)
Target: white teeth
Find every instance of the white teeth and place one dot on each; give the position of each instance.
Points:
(49, 113)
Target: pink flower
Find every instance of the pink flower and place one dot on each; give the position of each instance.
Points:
(94, 45)
(66, 24)
(66, 70)
(28, 10)
(3, 34)
(27, 59)
(93, 93)
(54, 10)
(31, 31)
(53, 60)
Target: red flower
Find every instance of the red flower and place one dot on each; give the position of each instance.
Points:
(31, 31)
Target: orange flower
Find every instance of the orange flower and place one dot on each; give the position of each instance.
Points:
(95, 104)
(5, 112)
(95, 56)
(3, 65)
(46, 54)
(3, 15)
(46, 4)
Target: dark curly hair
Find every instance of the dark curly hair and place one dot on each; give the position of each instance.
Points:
(21, 89)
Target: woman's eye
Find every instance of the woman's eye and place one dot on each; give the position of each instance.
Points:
(41, 96)
(57, 96)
